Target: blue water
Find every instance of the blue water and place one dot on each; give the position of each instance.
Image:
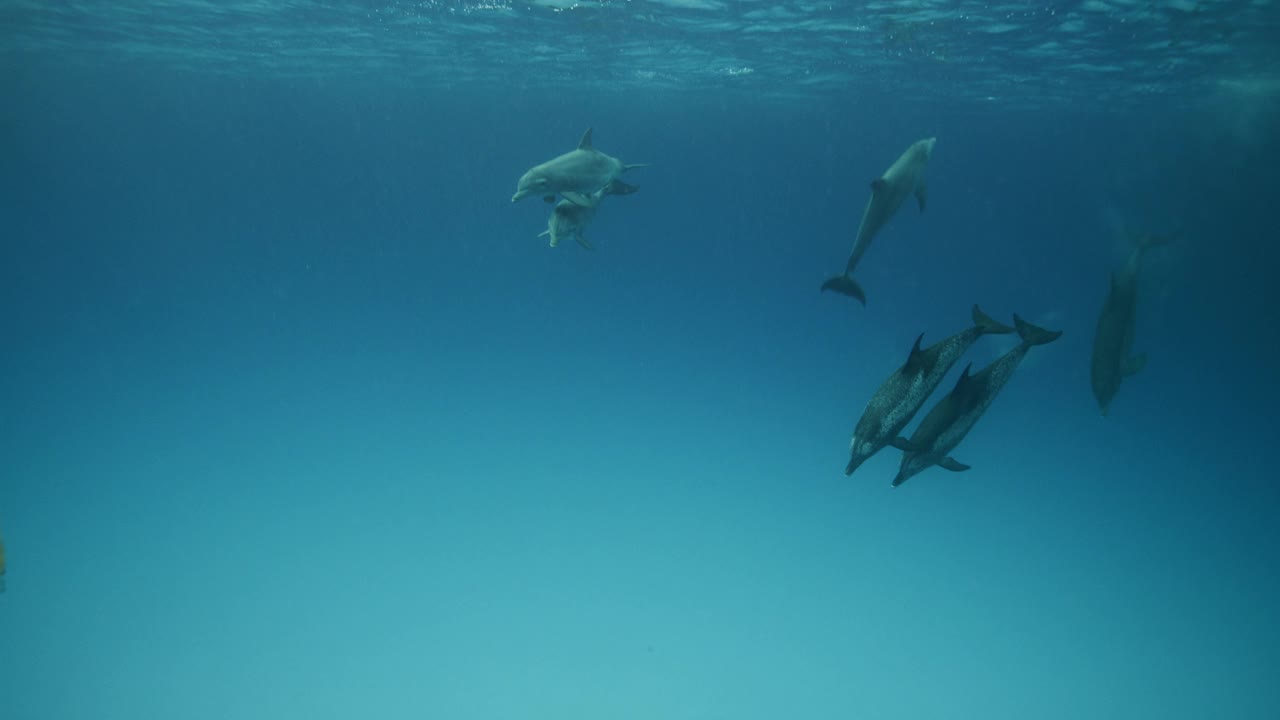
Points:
(299, 418)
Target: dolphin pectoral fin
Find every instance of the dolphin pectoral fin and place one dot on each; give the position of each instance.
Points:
(585, 142)
(577, 198)
(617, 187)
(582, 240)
(1134, 364)
(903, 444)
(922, 195)
(554, 240)
(633, 166)
(950, 463)
(878, 185)
(845, 285)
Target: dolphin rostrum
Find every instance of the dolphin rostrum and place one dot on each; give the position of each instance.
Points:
(1113, 341)
(904, 177)
(570, 220)
(955, 415)
(903, 393)
(575, 175)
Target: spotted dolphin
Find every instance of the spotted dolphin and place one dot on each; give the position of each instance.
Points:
(904, 177)
(954, 416)
(571, 220)
(902, 394)
(1113, 340)
(575, 175)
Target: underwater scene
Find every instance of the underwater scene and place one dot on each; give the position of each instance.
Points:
(648, 359)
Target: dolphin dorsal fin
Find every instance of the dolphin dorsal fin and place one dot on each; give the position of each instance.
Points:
(965, 380)
(915, 358)
(585, 142)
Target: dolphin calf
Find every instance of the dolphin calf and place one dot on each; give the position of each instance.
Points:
(575, 175)
(571, 220)
(1113, 340)
(902, 394)
(955, 415)
(904, 177)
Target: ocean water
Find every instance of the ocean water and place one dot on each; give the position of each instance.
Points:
(299, 418)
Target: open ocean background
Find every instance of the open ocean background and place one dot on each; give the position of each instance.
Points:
(300, 419)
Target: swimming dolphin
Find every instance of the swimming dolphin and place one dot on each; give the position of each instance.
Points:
(955, 415)
(904, 177)
(1113, 341)
(903, 393)
(575, 175)
(570, 220)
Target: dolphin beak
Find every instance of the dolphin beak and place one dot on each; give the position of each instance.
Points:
(855, 462)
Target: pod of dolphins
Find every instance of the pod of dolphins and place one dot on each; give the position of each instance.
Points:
(584, 176)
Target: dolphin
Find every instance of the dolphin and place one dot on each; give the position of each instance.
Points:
(904, 177)
(1113, 341)
(570, 220)
(955, 415)
(903, 393)
(575, 175)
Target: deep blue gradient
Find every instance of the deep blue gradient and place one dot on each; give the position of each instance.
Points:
(300, 419)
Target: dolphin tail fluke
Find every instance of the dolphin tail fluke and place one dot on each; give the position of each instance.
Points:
(1033, 335)
(1145, 241)
(1134, 364)
(845, 285)
(1150, 240)
(987, 325)
(617, 187)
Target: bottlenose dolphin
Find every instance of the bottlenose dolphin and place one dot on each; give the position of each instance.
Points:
(575, 175)
(1113, 341)
(570, 220)
(903, 393)
(955, 415)
(904, 177)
